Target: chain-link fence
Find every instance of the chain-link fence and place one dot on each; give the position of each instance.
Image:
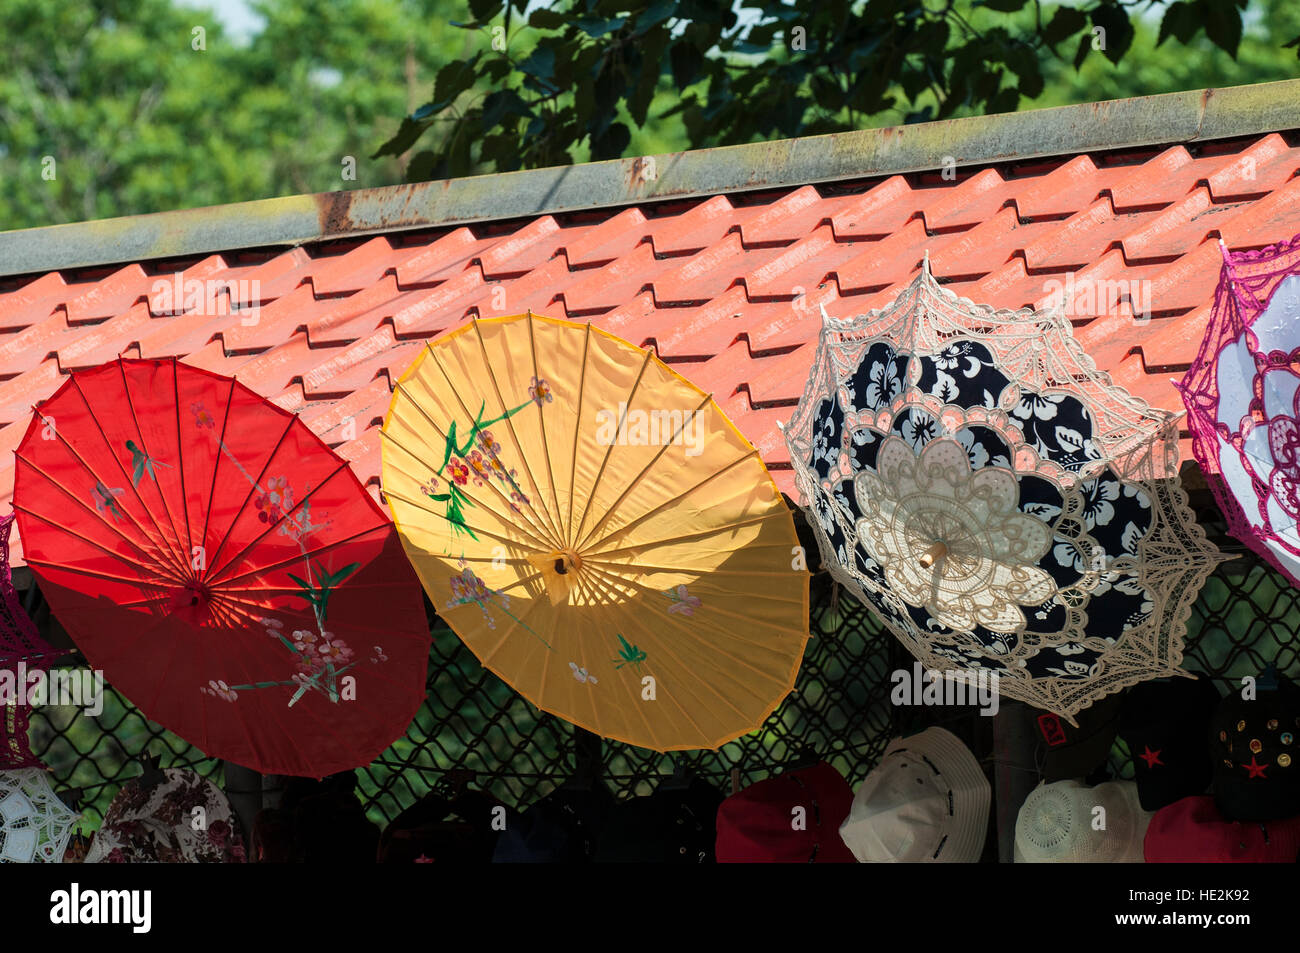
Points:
(1245, 618)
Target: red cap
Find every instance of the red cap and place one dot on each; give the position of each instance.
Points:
(757, 825)
(1194, 831)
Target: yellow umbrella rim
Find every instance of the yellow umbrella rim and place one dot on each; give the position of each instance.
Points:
(564, 322)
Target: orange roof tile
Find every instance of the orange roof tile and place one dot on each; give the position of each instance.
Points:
(727, 288)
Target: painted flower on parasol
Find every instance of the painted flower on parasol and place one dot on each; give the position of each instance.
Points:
(998, 501)
(1243, 401)
(226, 519)
(638, 581)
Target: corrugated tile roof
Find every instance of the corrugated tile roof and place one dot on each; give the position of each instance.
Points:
(726, 288)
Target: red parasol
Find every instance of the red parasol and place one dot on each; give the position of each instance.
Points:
(225, 569)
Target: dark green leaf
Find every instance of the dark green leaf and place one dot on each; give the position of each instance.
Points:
(1117, 35)
(1085, 47)
(1181, 21)
(651, 56)
(597, 27)
(407, 133)
(1005, 6)
(485, 9)
(686, 62)
(540, 63)
(547, 20)
(652, 16)
(452, 80)
(827, 93)
(496, 69)
(1065, 23)
(1222, 24)
(611, 142)
(335, 578)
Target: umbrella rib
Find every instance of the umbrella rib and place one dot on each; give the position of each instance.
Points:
(577, 423)
(662, 644)
(685, 712)
(293, 591)
(646, 567)
(546, 444)
(637, 479)
(144, 554)
(180, 460)
(691, 634)
(162, 536)
(702, 533)
(478, 531)
(86, 466)
(259, 609)
(540, 541)
(533, 606)
(343, 465)
(302, 554)
(541, 531)
(589, 582)
(595, 484)
(135, 421)
(278, 715)
(256, 484)
(216, 467)
(749, 620)
(624, 529)
(274, 711)
(550, 528)
(94, 574)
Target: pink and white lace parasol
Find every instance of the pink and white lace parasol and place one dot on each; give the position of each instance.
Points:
(1243, 401)
(19, 642)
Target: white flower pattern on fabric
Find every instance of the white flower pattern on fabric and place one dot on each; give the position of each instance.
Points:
(1098, 495)
(989, 571)
(1037, 405)
(884, 385)
(919, 428)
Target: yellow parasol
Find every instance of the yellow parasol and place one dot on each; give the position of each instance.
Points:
(596, 531)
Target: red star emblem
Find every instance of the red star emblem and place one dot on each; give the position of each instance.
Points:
(1256, 770)
(1152, 758)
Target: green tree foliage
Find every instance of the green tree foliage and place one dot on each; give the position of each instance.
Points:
(578, 78)
(1157, 62)
(118, 107)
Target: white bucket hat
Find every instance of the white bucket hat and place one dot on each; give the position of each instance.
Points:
(926, 802)
(1058, 824)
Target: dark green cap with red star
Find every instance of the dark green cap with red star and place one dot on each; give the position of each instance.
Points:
(1165, 725)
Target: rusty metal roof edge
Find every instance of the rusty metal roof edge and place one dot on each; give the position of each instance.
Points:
(1165, 119)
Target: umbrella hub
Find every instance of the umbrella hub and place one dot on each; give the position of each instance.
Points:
(932, 555)
(560, 570)
(193, 597)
